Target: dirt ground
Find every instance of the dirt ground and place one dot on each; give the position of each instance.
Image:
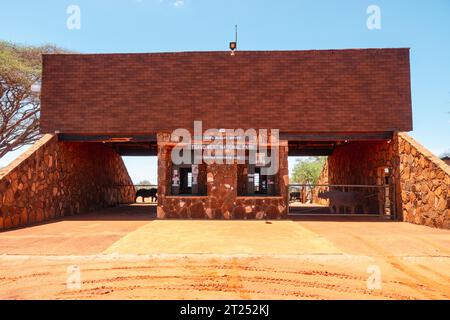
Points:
(124, 253)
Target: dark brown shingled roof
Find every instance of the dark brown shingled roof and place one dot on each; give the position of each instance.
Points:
(358, 90)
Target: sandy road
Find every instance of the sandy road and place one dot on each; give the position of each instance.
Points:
(132, 258)
(217, 277)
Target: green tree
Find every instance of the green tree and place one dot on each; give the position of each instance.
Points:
(145, 183)
(20, 79)
(308, 170)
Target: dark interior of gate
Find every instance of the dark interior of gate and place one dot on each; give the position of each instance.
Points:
(124, 146)
(357, 178)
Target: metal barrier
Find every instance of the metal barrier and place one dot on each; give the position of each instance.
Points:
(304, 199)
(325, 199)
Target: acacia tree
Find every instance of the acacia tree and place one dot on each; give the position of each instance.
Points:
(20, 78)
(308, 170)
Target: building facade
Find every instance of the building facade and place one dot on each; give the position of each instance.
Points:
(316, 101)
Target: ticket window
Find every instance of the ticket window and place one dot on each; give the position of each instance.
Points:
(188, 180)
(185, 180)
(258, 183)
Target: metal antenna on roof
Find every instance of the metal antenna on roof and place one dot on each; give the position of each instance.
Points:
(233, 45)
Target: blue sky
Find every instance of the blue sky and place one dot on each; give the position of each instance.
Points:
(193, 25)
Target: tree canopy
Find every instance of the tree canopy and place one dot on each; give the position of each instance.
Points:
(307, 171)
(145, 183)
(20, 78)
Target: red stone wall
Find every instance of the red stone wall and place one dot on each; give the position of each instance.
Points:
(424, 188)
(54, 179)
(360, 162)
(322, 180)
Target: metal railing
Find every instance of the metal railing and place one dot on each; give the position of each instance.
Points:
(341, 199)
(307, 199)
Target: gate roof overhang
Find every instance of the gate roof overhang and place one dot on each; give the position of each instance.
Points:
(300, 144)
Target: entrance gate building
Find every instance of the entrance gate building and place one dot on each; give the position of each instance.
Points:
(351, 105)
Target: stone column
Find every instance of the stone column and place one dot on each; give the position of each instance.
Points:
(164, 167)
(222, 189)
(283, 175)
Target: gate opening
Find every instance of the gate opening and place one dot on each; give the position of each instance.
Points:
(143, 171)
(327, 199)
(348, 178)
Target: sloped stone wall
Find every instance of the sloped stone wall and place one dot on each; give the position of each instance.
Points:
(54, 179)
(424, 191)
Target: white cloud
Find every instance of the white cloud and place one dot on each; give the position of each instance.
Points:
(178, 3)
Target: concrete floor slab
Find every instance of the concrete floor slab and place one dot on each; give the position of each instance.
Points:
(382, 238)
(89, 233)
(223, 237)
